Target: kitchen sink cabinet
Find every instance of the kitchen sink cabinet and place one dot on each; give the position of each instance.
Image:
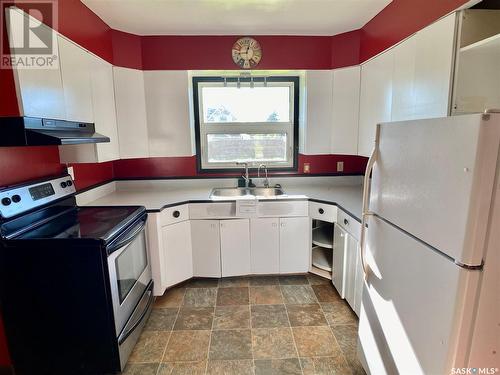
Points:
(177, 248)
(205, 237)
(235, 247)
(294, 244)
(265, 245)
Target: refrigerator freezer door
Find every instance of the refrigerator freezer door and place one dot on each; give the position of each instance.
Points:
(434, 178)
(412, 299)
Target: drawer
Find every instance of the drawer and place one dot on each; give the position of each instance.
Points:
(349, 224)
(222, 210)
(322, 211)
(174, 214)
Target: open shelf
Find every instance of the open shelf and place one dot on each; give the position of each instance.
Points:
(491, 43)
(322, 258)
(323, 236)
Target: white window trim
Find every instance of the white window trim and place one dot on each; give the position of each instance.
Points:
(287, 128)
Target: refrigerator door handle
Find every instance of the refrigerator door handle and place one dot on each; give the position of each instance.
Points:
(366, 199)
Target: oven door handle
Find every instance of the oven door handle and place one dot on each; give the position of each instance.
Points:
(126, 333)
(130, 237)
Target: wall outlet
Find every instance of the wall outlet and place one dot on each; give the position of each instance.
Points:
(307, 168)
(71, 172)
(340, 166)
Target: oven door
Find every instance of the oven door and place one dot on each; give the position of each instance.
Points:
(129, 271)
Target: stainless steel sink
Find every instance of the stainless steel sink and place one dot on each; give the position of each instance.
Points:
(242, 192)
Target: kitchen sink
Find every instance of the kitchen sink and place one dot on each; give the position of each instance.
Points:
(246, 192)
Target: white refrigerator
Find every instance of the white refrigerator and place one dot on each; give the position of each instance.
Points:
(430, 248)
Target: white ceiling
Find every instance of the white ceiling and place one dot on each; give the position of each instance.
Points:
(236, 17)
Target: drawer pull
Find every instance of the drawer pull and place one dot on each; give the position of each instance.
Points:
(176, 214)
(321, 211)
(346, 222)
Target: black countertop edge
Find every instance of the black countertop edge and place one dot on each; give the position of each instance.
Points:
(269, 200)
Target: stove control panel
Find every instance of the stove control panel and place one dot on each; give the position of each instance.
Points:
(21, 198)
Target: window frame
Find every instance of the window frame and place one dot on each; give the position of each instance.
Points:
(201, 150)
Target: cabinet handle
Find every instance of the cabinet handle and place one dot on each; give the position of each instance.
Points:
(176, 214)
(346, 222)
(321, 211)
(274, 225)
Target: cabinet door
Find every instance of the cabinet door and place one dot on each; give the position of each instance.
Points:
(294, 244)
(403, 84)
(265, 245)
(75, 71)
(206, 248)
(103, 102)
(235, 247)
(358, 279)
(375, 99)
(40, 90)
(433, 68)
(179, 256)
(339, 258)
(319, 111)
(350, 270)
(131, 113)
(345, 110)
(167, 106)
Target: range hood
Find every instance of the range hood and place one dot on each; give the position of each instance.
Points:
(32, 131)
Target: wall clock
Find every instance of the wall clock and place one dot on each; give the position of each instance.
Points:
(246, 53)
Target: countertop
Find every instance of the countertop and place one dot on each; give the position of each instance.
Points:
(344, 191)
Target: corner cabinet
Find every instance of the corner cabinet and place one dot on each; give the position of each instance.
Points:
(178, 252)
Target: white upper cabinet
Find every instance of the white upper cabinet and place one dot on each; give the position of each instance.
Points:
(433, 68)
(403, 86)
(103, 103)
(40, 91)
(375, 98)
(319, 91)
(345, 113)
(75, 71)
(167, 106)
(423, 72)
(131, 113)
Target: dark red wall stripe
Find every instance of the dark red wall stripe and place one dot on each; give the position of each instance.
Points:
(214, 52)
(89, 174)
(127, 49)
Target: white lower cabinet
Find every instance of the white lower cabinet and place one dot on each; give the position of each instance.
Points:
(176, 240)
(235, 247)
(294, 244)
(205, 239)
(265, 245)
(353, 274)
(339, 258)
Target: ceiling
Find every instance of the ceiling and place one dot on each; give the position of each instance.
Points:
(236, 17)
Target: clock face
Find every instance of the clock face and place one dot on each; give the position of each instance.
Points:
(246, 53)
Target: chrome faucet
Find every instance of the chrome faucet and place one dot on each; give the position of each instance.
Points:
(266, 181)
(245, 176)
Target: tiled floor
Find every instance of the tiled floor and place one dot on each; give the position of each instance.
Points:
(249, 325)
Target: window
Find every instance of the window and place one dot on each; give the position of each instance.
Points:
(253, 120)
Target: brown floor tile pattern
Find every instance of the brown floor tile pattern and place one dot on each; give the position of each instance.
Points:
(252, 325)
